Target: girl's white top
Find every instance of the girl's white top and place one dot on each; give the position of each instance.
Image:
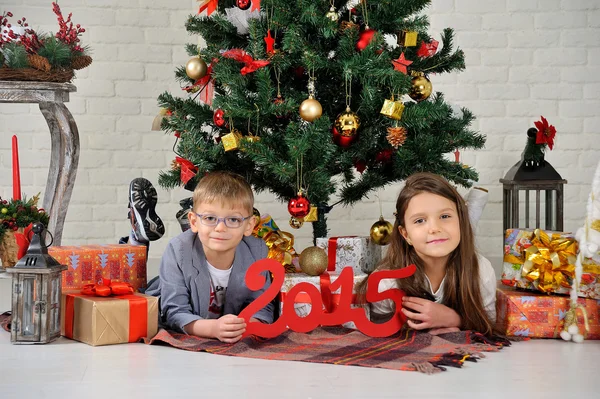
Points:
(487, 278)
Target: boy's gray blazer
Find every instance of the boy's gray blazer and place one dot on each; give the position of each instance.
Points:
(184, 281)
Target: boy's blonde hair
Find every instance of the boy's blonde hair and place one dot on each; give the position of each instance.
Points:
(224, 187)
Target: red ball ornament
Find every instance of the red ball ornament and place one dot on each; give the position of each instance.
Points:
(219, 118)
(243, 4)
(364, 39)
(299, 206)
(340, 139)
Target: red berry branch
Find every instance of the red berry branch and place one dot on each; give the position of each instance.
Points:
(67, 33)
(6, 35)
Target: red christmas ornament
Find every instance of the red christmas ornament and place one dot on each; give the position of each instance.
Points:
(360, 165)
(299, 206)
(384, 156)
(364, 39)
(401, 63)
(299, 72)
(341, 140)
(219, 118)
(243, 4)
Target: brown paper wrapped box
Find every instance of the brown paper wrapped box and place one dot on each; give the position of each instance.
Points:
(108, 320)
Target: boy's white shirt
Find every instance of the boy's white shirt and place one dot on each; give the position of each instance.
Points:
(487, 277)
(219, 280)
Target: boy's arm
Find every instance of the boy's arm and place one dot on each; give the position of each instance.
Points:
(174, 295)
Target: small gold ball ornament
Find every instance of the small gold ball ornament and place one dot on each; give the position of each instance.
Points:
(196, 68)
(296, 223)
(421, 87)
(381, 232)
(347, 123)
(310, 109)
(313, 261)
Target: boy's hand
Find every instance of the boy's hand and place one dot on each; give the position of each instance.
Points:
(229, 328)
(423, 314)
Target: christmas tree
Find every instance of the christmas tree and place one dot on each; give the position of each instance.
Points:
(318, 97)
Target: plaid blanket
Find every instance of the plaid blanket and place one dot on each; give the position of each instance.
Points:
(409, 349)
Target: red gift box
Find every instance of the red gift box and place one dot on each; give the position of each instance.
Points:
(89, 264)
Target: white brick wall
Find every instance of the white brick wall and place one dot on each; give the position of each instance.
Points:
(525, 58)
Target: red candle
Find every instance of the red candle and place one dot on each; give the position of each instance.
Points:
(16, 171)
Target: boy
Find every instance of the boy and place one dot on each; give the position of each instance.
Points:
(201, 275)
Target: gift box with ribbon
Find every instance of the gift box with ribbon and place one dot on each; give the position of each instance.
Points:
(108, 313)
(302, 303)
(359, 253)
(280, 243)
(89, 264)
(545, 261)
(536, 315)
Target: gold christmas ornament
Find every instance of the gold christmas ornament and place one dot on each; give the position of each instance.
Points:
(421, 87)
(407, 38)
(396, 136)
(196, 68)
(347, 123)
(158, 119)
(296, 223)
(313, 214)
(381, 232)
(313, 261)
(332, 14)
(231, 141)
(392, 109)
(310, 109)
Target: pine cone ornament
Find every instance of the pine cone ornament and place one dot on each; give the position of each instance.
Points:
(396, 136)
(38, 62)
(81, 62)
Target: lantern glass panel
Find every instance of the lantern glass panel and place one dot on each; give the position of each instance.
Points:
(29, 300)
(55, 305)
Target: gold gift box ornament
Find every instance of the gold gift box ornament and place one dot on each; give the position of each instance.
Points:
(392, 109)
(232, 140)
(407, 38)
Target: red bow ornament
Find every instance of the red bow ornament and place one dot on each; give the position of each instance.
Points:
(187, 169)
(250, 64)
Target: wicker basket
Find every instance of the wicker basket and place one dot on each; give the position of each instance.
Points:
(9, 248)
(30, 74)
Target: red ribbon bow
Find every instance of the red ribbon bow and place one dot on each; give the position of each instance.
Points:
(251, 64)
(107, 288)
(22, 240)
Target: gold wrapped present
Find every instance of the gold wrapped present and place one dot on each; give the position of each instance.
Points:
(407, 38)
(231, 141)
(392, 109)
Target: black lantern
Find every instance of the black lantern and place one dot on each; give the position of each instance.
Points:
(540, 184)
(36, 291)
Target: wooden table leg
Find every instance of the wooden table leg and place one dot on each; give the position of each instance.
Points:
(63, 164)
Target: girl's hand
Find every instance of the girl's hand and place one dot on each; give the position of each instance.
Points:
(423, 314)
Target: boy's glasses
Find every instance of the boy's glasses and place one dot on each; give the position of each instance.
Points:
(233, 222)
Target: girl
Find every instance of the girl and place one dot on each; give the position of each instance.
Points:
(453, 288)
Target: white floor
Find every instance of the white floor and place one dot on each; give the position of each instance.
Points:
(69, 369)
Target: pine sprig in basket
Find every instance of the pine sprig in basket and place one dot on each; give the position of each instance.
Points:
(31, 56)
(15, 214)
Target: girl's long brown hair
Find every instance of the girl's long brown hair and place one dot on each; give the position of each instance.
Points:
(461, 286)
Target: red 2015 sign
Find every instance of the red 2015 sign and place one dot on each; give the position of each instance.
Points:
(342, 314)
